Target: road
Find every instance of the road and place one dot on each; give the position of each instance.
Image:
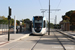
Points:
(54, 41)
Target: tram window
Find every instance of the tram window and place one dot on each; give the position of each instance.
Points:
(44, 23)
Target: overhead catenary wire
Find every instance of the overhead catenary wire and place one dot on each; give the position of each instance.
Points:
(43, 11)
(40, 3)
(57, 8)
(58, 5)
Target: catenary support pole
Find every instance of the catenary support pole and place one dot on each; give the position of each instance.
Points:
(14, 25)
(8, 30)
(49, 19)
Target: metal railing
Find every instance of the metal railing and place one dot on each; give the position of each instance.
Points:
(3, 28)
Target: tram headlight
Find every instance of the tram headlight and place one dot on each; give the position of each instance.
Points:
(40, 27)
(35, 28)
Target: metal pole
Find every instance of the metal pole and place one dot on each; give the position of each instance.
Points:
(14, 25)
(55, 20)
(2, 28)
(9, 23)
(8, 30)
(49, 19)
(43, 14)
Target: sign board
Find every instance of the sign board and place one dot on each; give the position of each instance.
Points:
(20, 23)
(9, 14)
(9, 11)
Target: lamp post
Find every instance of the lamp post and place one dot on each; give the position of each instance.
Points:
(9, 23)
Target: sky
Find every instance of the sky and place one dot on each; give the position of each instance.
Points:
(23, 9)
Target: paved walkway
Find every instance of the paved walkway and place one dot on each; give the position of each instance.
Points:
(13, 37)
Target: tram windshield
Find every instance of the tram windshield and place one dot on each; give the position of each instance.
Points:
(38, 25)
(38, 22)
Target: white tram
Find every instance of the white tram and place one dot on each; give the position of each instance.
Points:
(39, 24)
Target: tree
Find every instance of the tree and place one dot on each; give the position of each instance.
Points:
(51, 25)
(4, 20)
(69, 13)
(18, 22)
(12, 22)
(27, 20)
(69, 17)
(72, 18)
(65, 18)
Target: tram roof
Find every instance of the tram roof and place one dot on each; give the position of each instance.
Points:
(37, 16)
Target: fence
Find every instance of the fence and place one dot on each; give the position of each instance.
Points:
(3, 28)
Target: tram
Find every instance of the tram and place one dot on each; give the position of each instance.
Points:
(39, 25)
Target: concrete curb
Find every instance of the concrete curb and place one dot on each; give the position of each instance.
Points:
(2, 35)
(26, 35)
(66, 34)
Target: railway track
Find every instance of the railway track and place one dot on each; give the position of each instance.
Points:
(60, 42)
(66, 42)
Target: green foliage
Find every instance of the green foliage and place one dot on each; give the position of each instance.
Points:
(69, 13)
(57, 26)
(69, 17)
(12, 22)
(51, 25)
(72, 20)
(4, 20)
(18, 22)
(26, 20)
